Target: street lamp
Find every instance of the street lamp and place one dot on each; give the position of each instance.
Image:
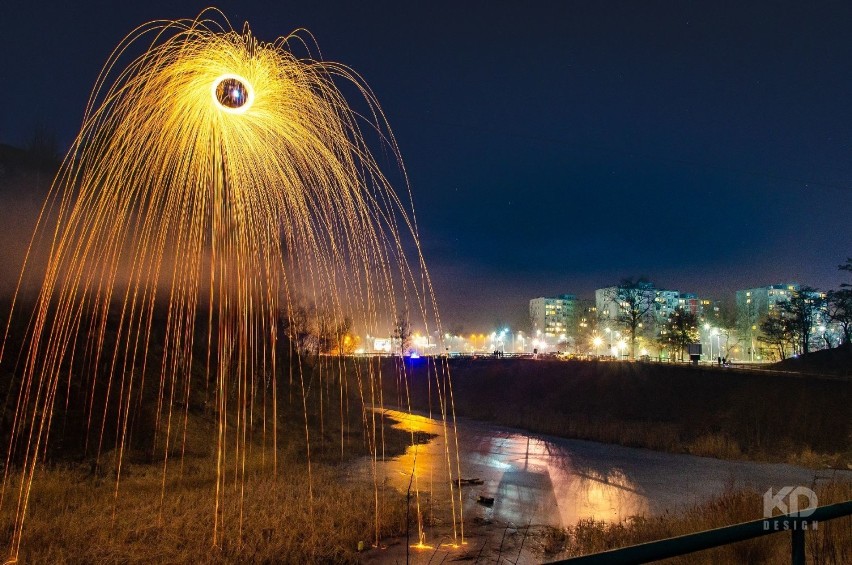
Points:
(714, 333)
(719, 341)
(709, 341)
(597, 341)
(541, 342)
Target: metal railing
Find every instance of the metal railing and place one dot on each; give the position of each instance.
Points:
(681, 545)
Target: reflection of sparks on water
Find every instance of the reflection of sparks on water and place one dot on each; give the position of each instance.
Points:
(530, 477)
(417, 425)
(226, 176)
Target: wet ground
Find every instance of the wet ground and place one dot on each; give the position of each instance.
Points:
(537, 480)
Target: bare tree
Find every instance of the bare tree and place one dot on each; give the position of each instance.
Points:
(803, 312)
(839, 311)
(680, 330)
(325, 326)
(315, 331)
(344, 341)
(726, 322)
(296, 326)
(402, 332)
(839, 305)
(634, 302)
(776, 332)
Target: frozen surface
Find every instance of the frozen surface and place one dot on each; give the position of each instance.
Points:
(554, 481)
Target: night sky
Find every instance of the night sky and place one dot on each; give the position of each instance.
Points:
(552, 147)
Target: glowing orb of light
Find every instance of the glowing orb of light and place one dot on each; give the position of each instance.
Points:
(232, 93)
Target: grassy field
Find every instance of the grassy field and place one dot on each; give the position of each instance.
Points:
(703, 411)
(164, 513)
(76, 517)
(830, 543)
(836, 361)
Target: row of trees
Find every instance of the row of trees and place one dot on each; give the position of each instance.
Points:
(635, 314)
(839, 304)
(810, 318)
(635, 301)
(807, 319)
(313, 331)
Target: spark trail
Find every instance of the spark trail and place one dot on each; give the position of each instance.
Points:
(227, 181)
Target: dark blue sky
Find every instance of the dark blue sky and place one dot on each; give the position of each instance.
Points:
(553, 146)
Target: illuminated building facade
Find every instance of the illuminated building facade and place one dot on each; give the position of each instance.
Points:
(753, 305)
(553, 317)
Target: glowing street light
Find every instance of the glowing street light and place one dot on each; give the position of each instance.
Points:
(597, 342)
(718, 335)
(710, 339)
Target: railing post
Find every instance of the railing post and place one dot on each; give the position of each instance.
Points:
(798, 546)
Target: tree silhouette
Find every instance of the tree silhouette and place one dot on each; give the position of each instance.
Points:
(402, 332)
(803, 312)
(839, 304)
(634, 301)
(776, 331)
(680, 330)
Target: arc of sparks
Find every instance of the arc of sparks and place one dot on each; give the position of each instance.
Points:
(218, 174)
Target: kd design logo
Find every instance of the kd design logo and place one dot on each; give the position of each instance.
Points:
(787, 501)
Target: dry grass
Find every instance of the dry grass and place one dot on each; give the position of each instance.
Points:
(74, 516)
(830, 543)
(716, 445)
(704, 411)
